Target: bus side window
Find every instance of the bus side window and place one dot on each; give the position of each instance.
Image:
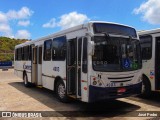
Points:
(84, 59)
(19, 54)
(59, 48)
(47, 50)
(146, 47)
(26, 52)
(30, 52)
(40, 56)
(22, 53)
(15, 57)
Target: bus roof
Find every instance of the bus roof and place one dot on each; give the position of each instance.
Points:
(111, 23)
(78, 27)
(148, 32)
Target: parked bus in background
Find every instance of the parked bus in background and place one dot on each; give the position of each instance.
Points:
(89, 62)
(150, 45)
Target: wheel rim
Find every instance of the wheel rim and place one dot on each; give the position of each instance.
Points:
(25, 80)
(61, 91)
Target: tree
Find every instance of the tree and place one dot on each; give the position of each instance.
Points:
(7, 46)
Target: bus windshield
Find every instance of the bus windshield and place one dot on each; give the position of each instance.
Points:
(116, 54)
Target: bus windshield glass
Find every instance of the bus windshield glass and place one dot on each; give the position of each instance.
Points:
(116, 54)
(114, 29)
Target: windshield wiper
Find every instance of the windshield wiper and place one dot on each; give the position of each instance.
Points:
(106, 35)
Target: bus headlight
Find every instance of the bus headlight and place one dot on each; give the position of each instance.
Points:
(94, 82)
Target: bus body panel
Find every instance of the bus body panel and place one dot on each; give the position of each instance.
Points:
(22, 66)
(50, 71)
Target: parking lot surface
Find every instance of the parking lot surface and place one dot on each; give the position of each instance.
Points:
(15, 97)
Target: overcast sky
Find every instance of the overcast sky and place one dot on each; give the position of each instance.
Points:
(32, 19)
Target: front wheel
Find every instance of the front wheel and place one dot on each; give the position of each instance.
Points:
(61, 92)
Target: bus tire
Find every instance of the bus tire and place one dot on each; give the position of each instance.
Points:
(25, 81)
(61, 92)
(146, 87)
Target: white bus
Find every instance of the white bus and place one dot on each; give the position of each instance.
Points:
(150, 44)
(89, 62)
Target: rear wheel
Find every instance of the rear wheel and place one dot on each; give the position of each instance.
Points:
(25, 81)
(61, 92)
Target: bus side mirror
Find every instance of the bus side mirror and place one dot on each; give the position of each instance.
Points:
(91, 47)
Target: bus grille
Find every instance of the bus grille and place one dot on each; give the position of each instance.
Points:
(120, 79)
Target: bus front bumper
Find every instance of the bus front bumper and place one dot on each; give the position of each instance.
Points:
(98, 93)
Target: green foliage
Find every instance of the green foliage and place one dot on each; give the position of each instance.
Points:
(7, 46)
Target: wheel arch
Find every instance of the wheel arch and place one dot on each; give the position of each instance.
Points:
(58, 78)
(146, 79)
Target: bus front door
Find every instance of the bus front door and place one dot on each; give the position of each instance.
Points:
(73, 84)
(157, 64)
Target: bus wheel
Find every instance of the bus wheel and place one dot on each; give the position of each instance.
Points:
(61, 91)
(25, 81)
(146, 88)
